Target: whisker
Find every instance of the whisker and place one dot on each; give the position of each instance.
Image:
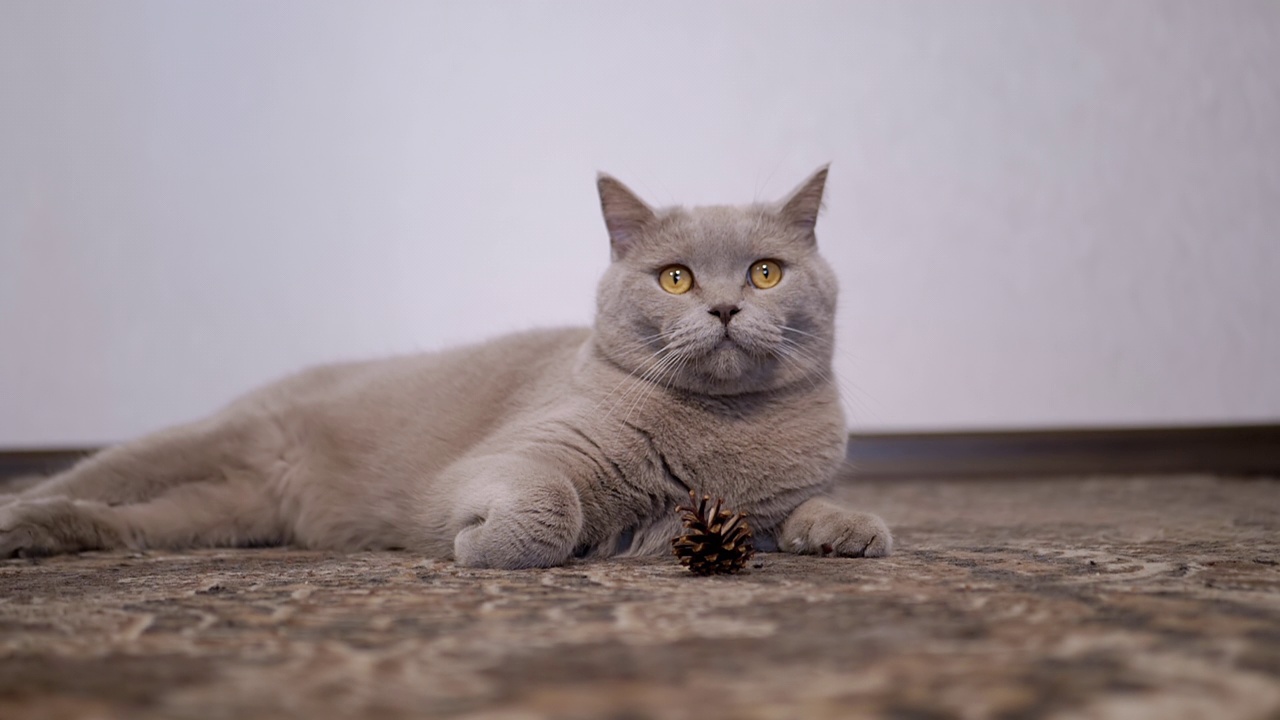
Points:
(643, 398)
(849, 393)
(639, 386)
(642, 366)
(857, 396)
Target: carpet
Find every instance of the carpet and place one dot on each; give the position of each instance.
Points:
(1133, 597)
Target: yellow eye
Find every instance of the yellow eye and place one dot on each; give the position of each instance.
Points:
(676, 279)
(765, 274)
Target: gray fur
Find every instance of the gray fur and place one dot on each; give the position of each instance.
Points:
(528, 450)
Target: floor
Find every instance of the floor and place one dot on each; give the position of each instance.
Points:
(1060, 598)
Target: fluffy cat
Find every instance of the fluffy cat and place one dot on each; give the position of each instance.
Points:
(709, 368)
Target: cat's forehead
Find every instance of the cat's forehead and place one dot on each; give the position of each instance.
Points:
(717, 234)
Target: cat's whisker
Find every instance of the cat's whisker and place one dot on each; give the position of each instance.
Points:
(638, 386)
(789, 358)
(836, 347)
(631, 375)
(822, 370)
(679, 369)
(798, 331)
(848, 392)
(639, 391)
(861, 401)
(670, 374)
(642, 395)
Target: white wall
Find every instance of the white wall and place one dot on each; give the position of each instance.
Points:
(1050, 213)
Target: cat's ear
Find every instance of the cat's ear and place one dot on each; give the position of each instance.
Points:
(625, 214)
(802, 206)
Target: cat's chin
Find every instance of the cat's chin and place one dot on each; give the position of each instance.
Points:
(728, 368)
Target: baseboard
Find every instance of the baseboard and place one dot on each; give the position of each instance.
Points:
(1225, 450)
(44, 461)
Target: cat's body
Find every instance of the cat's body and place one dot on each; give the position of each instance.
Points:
(528, 450)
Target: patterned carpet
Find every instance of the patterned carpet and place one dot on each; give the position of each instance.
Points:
(1092, 598)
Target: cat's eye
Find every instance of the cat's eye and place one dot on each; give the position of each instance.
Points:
(765, 274)
(676, 279)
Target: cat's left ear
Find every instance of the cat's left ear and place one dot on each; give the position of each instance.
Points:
(800, 209)
(625, 214)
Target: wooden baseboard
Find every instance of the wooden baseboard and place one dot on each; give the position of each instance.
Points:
(45, 461)
(1225, 450)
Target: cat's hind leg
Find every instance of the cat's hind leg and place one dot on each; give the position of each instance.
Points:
(202, 514)
(148, 467)
(13, 486)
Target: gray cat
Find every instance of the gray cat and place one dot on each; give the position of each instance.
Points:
(709, 368)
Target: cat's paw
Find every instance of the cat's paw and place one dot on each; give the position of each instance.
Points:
(23, 535)
(509, 543)
(36, 528)
(536, 526)
(819, 527)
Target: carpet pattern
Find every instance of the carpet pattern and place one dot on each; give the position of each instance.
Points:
(1064, 598)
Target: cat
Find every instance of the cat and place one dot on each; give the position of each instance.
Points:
(708, 369)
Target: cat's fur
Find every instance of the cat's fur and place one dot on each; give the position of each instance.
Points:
(528, 450)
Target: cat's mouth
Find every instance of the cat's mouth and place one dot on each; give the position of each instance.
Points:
(727, 342)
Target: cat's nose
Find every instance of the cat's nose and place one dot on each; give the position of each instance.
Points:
(725, 312)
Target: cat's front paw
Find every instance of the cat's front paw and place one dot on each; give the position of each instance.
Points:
(36, 528)
(536, 525)
(819, 527)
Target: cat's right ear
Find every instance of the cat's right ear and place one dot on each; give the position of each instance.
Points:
(625, 214)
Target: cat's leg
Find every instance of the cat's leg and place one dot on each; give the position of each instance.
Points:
(13, 487)
(821, 527)
(203, 514)
(149, 466)
(514, 512)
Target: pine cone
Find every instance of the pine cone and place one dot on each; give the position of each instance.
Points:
(715, 540)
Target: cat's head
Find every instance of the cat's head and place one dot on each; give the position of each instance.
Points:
(717, 300)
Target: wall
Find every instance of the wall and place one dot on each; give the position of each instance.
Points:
(1044, 214)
